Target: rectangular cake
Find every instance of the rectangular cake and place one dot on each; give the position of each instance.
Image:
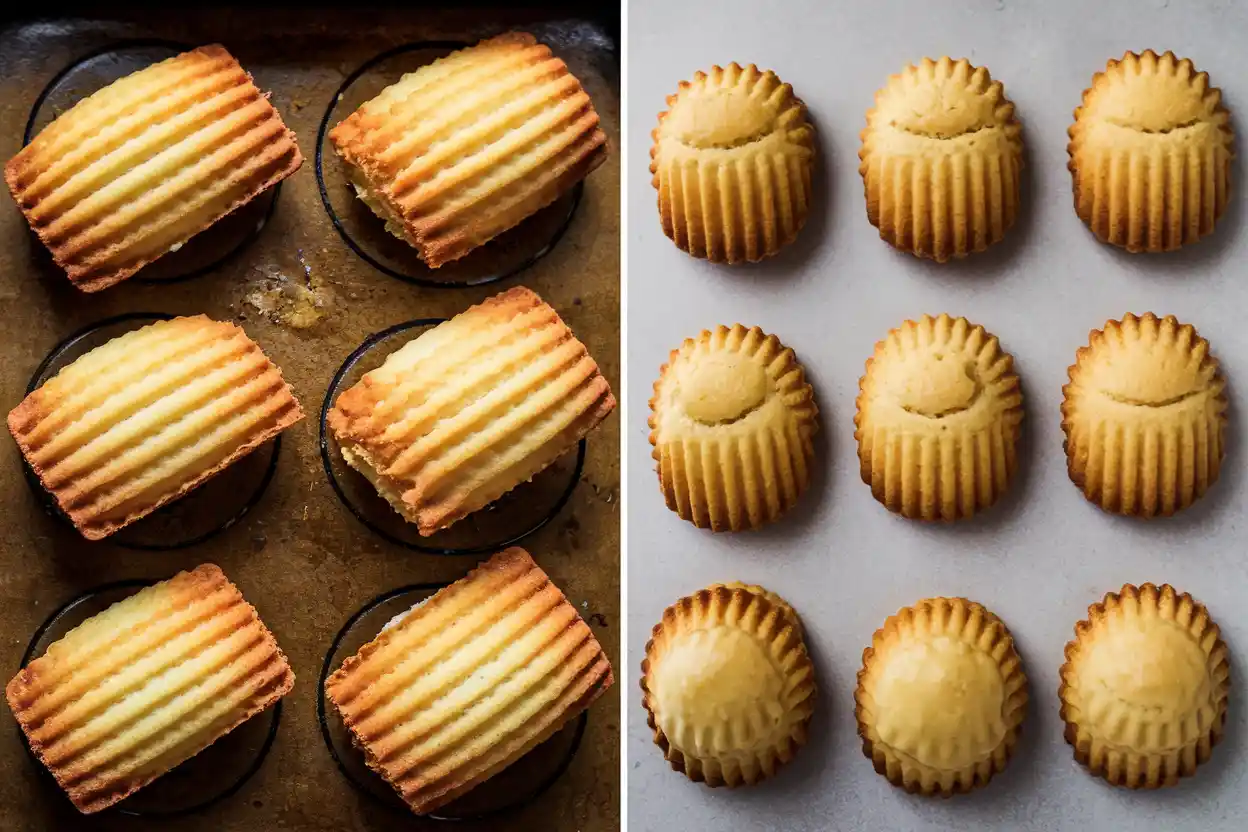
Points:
(148, 416)
(147, 684)
(467, 683)
(466, 147)
(141, 166)
(471, 408)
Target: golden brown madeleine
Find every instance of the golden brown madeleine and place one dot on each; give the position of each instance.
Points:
(938, 421)
(467, 683)
(1144, 416)
(728, 685)
(1150, 153)
(732, 422)
(470, 409)
(1144, 687)
(147, 684)
(941, 697)
(732, 160)
(941, 160)
(138, 168)
(459, 151)
(149, 416)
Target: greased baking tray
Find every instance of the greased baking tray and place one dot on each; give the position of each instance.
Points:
(311, 286)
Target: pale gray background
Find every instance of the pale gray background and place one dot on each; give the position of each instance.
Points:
(846, 563)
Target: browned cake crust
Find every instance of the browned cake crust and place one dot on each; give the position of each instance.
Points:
(467, 147)
(148, 417)
(147, 684)
(471, 409)
(137, 169)
(470, 681)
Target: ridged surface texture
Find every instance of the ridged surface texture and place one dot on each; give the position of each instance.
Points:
(938, 421)
(1151, 153)
(941, 160)
(1145, 687)
(728, 685)
(1144, 416)
(468, 410)
(148, 683)
(731, 160)
(149, 416)
(941, 697)
(463, 149)
(138, 168)
(469, 682)
(732, 422)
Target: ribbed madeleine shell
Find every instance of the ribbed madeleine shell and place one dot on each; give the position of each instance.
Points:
(741, 475)
(1147, 189)
(148, 162)
(745, 198)
(774, 627)
(947, 195)
(472, 408)
(470, 681)
(148, 683)
(1163, 458)
(463, 149)
(149, 416)
(946, 467)
(1141, 752)
(973, 625)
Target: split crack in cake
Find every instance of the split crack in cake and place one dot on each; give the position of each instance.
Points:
(732, 422)
(459, 151)
(135, 170)
(471, 409)
(146, 684)
(1150, 153)
(939, 417)
(1145, 415)
(147, 417)
(941, 160)
(731, 161)
(468, 682)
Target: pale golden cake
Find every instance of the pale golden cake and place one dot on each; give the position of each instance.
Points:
(941, 160)
(732, 160)
(1150, 153)
(470, 409)
(149, 416)
(732, 422)
(459, 151)
(138, 168)
(467, 683)
(1144, 416)
(941, 697)
(938, 421)
(728, 685)
(1144, 687)
(147, 684)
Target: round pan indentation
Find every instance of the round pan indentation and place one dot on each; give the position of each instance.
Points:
(512, 789)
(216, 505)
(211, 776)
(511, 518)
(505, 256)
(210, 249)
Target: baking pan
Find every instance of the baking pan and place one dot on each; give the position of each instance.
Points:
(305, 272)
